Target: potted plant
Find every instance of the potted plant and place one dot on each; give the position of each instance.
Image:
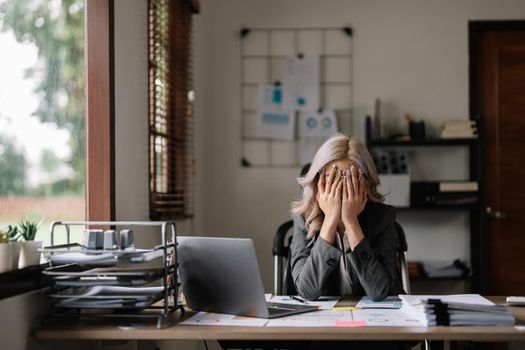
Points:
(9, 249)
(29, 254)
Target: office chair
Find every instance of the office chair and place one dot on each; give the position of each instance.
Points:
(283, 282)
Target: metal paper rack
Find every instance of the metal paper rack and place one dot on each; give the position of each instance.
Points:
(110, 282)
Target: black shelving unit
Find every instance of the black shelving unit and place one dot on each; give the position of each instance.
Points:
(478, 249)
(425, 142)
(441, 207)
(466, 278)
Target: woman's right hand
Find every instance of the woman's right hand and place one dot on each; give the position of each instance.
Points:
(329, 194)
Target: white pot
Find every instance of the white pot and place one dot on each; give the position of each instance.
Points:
(29, 254)
(9, 253)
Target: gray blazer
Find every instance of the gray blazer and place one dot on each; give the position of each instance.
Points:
(315, 267)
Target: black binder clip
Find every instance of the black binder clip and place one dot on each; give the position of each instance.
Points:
(441, 312)
(244, 32)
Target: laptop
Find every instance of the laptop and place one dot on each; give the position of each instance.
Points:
(222, 275)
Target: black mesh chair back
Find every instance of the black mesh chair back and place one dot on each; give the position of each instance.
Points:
(283, 282)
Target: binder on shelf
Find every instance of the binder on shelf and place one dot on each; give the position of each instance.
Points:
(434, 193)
(458, 186)
(457, 268)
(459, 129)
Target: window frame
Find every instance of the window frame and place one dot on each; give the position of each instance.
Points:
(100, 110)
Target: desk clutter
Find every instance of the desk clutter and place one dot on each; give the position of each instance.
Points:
(107, 274)
(402, 311)
(456, 310)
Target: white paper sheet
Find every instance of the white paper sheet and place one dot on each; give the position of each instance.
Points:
(391, 302)
(79, 257)
(474, 299)
(324, 303)
(317, 124)
(301, 83)
(213, 319)
(321, 318)
(271, 120)
(385, 318)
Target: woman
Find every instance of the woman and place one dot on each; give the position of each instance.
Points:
(344, 240)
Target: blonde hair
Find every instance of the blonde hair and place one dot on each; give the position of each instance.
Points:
(337, 147)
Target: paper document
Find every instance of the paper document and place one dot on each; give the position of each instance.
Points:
(474, 299)
(315, 124)
(271, 120)
(108, 296)
(391, 302)
(82, 258)
(456, 310)
(324, 303)
(301, 83)
(321, 318)
(212, 319)
(385, 318)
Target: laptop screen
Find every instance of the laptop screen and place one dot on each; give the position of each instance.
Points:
(221, 275)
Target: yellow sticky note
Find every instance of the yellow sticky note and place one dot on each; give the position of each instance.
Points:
(344, 309)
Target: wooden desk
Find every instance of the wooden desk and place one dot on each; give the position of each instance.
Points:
(109, 329)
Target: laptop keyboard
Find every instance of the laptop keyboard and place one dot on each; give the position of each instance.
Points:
(274, 311)
(274, 308)
(280, 309)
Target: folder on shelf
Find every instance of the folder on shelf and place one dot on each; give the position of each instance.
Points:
(430, 193)
(457, 268)
(458, 186)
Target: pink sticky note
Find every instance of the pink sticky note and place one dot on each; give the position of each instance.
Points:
(350, 323)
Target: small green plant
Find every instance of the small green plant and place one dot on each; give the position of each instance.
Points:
(29, 228)
(12, 233)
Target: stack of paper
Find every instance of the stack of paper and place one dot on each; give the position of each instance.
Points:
(456, 310)
(459, 129)
(107, 297)
(435, 269)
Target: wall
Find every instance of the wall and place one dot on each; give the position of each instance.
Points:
(412, 54)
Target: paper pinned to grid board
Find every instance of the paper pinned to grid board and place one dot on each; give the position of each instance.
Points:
(271, 120)
(301, 83)
(314, 128)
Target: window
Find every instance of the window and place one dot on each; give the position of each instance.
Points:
(171, 161)
(42, 160)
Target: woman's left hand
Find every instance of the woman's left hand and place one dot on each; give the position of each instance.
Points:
(354, 196)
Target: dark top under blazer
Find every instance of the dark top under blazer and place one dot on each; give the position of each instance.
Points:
(315, 268)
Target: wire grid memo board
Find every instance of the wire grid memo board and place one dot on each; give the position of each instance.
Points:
(263, 54)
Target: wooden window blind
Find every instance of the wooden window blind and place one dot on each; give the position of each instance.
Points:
(171, 159)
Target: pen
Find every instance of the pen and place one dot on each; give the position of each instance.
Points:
(299, 299)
